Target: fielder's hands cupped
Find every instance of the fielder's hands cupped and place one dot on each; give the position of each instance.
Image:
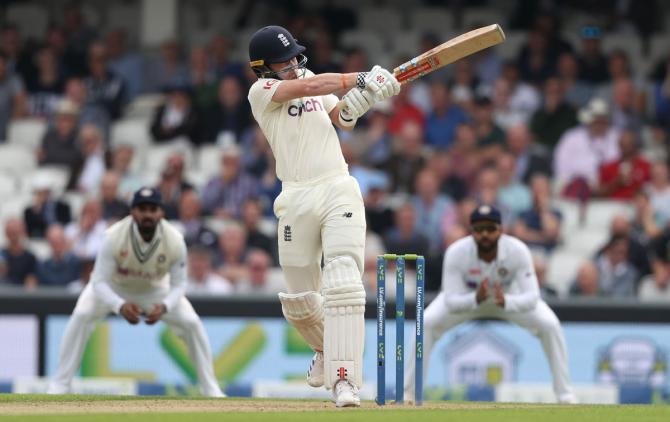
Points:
(381, 83)
(499, 295)
(155, 314)
(358, 102)
(483, 291)
(131, 312)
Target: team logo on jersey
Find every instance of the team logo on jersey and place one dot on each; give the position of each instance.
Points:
(161, 258)
(287, 233)
(347, 214)
(283, 40)
(502, 272)
(269, 83)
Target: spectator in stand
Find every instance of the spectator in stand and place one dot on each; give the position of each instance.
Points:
(232, 252)
(536, 62)
(644, 226)
(638, 254)
(654, 287)
(231, 113)
(577, 92)
(405, 112)
(92, 146)
(202, 79)
(623, 178)
(514, 100)
(555, 117)
(376, 136)
(487, 192)
(167, 70)
(662, 100)
(12, 96)
(54, 39)
(44, 210)
(627, 111)
(46, 88)
(405, 235)
(62, 267)
(450, 184)
(89, 112)
(196, 233)
(129, 182)
(463, 85)
(128, 65)
(104, 88)
(540, 225)
(513, 195)
(464, 156)
(530, 157)
(658, 190)
(85, 235)
(173, 184)
(592, 61)
(488, 132)
(540, 265)
(252, 213)
(79, 36)
(258, 280)
(587, 282)
(321, 60)
(19, 55)
(59, 144)
(219, 50)
(202, 279)
(618, 276)
(443, 118)
(20, 262)
(435, 213)
(378, 215)
(582, 150)
(405, 164)
(176, 120)
(113, 208)
(224, 194)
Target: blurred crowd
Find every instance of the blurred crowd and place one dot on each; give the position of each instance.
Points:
(560, 122)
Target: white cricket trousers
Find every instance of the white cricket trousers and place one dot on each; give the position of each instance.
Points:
(324, 217)
(90, 309)
(541, 322)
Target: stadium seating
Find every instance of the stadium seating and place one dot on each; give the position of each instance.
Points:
(26, 132)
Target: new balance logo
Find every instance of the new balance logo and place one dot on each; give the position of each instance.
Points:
(287, 233)
(283, 40)
(347, 214)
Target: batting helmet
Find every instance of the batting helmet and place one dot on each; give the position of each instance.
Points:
(273, 44)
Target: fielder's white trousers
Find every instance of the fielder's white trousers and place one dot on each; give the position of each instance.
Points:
(89, 310)
(541, 322)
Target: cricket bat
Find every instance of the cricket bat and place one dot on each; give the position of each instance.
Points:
(448, 52)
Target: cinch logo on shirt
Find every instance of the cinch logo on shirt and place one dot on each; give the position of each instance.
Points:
(310, 105)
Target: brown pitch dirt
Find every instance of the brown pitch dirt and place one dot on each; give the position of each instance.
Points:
(220, 405)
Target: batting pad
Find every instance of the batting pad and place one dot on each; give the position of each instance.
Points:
(305, 312)
(344, 328)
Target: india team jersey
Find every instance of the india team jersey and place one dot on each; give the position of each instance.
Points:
(300, 132)
(463, 272)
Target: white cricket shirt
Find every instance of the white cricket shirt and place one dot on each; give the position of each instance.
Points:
(463, 271)
(300, 132)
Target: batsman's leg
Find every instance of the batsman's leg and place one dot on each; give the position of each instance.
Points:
(543, 323)
(436, 321)
(87, 312)
(187, 325)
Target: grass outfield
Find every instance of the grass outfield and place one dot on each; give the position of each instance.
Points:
(14, 407)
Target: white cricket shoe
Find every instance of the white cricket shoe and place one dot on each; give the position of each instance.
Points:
(345, 394)
(568, 399)
(54, 388)
(315, 371)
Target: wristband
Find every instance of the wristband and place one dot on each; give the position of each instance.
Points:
(343, 80)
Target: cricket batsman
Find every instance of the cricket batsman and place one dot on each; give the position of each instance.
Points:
(140, 272)
(491, 275)
(320, 208)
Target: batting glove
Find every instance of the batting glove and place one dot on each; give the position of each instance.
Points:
(381, 83)
(358, 102)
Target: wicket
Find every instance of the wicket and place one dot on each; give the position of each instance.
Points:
(400, 326)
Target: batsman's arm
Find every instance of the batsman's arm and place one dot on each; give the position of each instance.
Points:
(456, 295)
(323, 84)
(525, 276)
(178, 274)
(102, 273)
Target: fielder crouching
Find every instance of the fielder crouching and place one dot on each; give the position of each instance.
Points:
(490, 275)
(140, 271)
